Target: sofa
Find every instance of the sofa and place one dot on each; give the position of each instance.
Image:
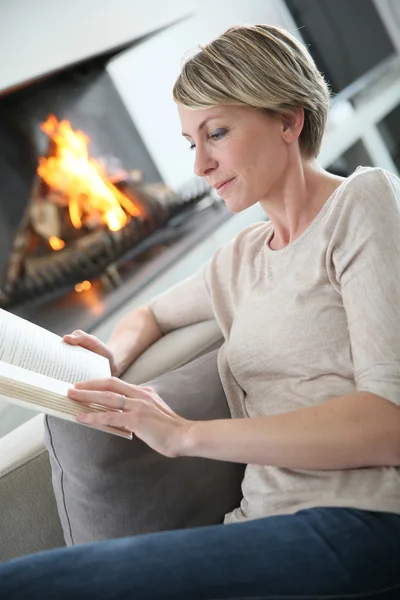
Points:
(29, 520)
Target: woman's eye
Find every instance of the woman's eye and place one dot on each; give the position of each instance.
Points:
(217, 134)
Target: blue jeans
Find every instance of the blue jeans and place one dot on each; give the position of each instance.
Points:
(315, 553)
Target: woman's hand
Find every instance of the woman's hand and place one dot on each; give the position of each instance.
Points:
(92, 343)
(138, 409)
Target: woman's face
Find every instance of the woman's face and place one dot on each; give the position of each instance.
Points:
(242, 152)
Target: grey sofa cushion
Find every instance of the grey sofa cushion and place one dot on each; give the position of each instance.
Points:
(108, 487)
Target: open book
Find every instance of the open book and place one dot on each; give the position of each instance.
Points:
(37, 368)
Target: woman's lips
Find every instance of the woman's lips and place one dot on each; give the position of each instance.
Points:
(223, 186)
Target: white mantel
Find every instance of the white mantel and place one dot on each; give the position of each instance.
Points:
(42, 36)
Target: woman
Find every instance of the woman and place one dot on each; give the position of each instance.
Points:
(307, 303)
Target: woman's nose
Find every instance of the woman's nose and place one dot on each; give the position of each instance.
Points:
(203, 163)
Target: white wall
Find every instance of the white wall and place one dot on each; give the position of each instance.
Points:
(145, 76)
(39, 36)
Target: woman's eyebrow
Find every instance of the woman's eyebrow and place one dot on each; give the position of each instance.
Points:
(204, 122)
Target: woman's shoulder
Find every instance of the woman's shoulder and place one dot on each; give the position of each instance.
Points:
(255, 232)
(367, 208)
(369, 191)
(244, 247)
(368, 180)
(251, 236)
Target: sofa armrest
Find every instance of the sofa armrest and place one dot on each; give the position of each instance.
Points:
(174, 350)
(28, 517)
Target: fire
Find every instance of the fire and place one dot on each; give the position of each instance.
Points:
(83, 286)
(82, 179)
(56, 243)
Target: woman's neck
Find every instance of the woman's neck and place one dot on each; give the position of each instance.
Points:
(293, 207)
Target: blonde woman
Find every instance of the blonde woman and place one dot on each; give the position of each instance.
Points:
(308, 303)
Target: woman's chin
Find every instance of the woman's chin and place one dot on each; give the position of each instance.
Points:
(237, 205)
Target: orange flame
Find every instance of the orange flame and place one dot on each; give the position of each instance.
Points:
(83, 286)
(56, 243)
(82, 179)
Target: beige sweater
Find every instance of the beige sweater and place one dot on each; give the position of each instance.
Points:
(312, 321)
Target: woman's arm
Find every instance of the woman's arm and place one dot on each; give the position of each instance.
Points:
(347, 432)
(136, 332)
(353, 431)
(184, 304)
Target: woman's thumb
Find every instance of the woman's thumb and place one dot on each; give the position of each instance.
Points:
(76, 337)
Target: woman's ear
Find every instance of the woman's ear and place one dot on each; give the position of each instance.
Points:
(292, 125)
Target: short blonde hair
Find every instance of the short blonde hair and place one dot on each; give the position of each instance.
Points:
(263, 67)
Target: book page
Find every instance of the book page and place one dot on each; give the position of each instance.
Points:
(31, 347)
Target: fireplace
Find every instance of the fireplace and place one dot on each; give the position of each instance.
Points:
(81, 200)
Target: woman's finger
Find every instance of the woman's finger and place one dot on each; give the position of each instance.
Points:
(147, 388)
(111, 400)
(115, 419)
(112, 384)
(81, 338)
